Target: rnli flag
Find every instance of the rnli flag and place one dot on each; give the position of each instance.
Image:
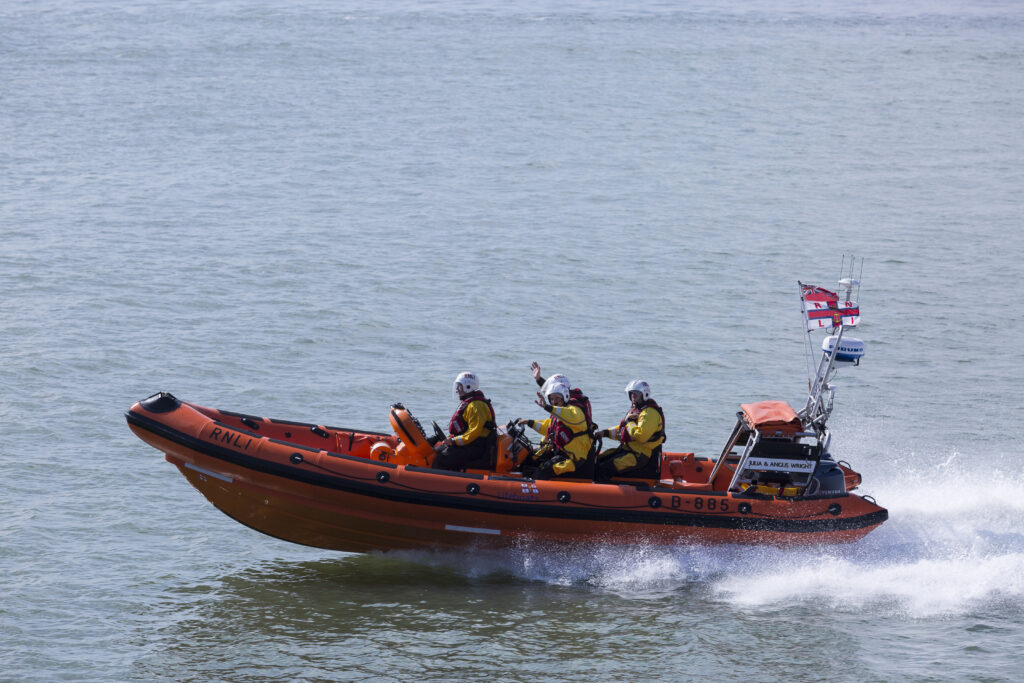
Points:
(823, 310)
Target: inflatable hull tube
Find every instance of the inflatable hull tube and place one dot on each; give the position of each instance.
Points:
(293, 483)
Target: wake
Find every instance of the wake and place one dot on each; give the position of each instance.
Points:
(951, 546)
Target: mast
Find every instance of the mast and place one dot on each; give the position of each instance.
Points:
(823, 310)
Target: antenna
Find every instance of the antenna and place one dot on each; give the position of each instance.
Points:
(849, 282)
(860, 278)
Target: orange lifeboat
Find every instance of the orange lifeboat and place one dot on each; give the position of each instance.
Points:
(774, 482)
(359, 490)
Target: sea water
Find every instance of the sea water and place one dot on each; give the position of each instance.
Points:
(310, 210)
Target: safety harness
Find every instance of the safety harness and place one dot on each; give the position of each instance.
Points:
(634, 415)
(459, 424)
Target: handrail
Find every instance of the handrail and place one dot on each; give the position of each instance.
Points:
(751, 442)
(736, 431)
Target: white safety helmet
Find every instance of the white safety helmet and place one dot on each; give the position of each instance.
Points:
(559, 377)
(556, 384)
(639, 385)
(468, 382)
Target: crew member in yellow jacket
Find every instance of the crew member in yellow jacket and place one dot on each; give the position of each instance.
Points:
(473, 430)
(640, 434)
(567, 440)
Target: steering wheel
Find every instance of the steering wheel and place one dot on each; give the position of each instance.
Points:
(517, 432)
(438, 432)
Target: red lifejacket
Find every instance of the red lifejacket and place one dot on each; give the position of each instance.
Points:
(458, 424)
(634, 414)
(559, 434)
(579, 399)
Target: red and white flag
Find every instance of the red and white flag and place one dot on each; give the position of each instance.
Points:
(824, 311)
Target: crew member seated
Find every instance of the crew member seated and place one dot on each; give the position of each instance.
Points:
(640, 435)
(567, 440)
(473, 430)
(576, 395)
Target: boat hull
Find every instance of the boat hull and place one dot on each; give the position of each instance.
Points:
(330, 499)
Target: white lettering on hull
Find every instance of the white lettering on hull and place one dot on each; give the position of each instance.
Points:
(471, 530)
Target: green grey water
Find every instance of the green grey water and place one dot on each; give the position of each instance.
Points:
(310, 211)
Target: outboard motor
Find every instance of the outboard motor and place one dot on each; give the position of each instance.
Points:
(828, 480)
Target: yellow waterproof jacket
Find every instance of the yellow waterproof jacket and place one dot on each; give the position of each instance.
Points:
(574, 418)
(641, 428)
(476, 415)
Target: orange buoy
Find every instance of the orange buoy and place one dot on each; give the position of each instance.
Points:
(382, 451)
